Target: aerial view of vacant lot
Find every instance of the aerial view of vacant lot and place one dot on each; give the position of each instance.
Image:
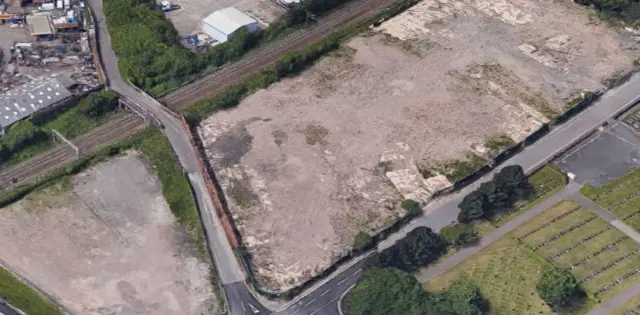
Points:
(313, 160)
(106, 242)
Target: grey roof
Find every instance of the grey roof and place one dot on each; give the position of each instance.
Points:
(228, 20)
(29, 98)
(40, 25)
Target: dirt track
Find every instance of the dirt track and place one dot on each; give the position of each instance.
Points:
(261, 59)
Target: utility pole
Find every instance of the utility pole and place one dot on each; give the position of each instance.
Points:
(73, 146)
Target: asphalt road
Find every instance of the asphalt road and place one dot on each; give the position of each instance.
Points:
(6, 309)
(438, 214)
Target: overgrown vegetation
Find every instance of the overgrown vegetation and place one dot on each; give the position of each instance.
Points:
(499, 142)
(362, 240)
(499, 195)
(389, 291)
(152, 57)
(627, 11)
(28, 138)
(23, 297)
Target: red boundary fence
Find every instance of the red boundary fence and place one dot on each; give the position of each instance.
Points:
(213, 192)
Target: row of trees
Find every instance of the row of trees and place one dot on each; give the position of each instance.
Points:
(508, 185)
(389, 291)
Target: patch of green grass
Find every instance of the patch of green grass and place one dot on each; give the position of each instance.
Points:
(584, 254)
(621, 197)
(23, 297)
(499, 142)
(545, 182)
(456, 170)
(506, 274)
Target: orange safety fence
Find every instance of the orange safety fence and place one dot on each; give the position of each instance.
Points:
(213, 192)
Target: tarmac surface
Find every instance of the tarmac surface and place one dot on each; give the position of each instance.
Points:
(605, 155)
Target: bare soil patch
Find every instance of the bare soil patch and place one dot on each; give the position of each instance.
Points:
(331, 152)
(106, 242)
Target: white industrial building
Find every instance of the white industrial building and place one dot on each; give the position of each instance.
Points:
(223, 24)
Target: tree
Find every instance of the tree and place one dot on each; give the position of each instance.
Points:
(513, 180)
(362, 240)
(412, 207)
(473, 206)
(465, 298)
(385, 291)
(557, 287)
(420, 247)
(460, 234)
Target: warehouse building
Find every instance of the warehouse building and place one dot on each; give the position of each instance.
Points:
(30, 98)
(41, 26)
(223, 24)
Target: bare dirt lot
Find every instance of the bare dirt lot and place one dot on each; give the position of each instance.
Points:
(188, 19)
(107, 243)
(300, 162)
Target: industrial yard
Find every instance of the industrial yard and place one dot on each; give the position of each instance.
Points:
(189, 18)
(46, 57)
(106, 242)
(311, 161)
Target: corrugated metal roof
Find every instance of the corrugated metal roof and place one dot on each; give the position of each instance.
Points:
(29, 98)
(40, 25)
(228, 20)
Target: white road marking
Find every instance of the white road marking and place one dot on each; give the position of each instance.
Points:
(342, 281)
(323, 306)
(357, 271)
(325, 292)
(243, 308)
(309, 303)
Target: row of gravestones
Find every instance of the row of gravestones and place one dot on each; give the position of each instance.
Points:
(618, 281)
(633, 310)
(560, 217)
(533, 198)
(628, 216)
(564, 232)
(624, 201)
(620, 185)
(578, 243)
(604, 268)
(605, 248)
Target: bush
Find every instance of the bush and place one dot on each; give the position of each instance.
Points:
(420, 247)
(508, 186)
(412, 207)
(460, 234)
(362, 241)
(389, 291)
(557, 287)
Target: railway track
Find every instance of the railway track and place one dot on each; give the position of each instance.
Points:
(261, 59)
(63, 155)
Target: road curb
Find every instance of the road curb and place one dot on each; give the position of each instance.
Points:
(342, 296)
(325, 280)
